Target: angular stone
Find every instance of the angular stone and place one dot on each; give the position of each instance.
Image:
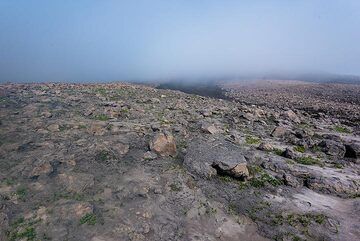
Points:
(289, 114)
(149, 155)
(279, 131)
(163, 144)
(291, 181)
(53, 127)
(121, 148)
(97, 129)
(42, 168)
(240, 170)
(264, 146)
(288, 153)
(209, 128)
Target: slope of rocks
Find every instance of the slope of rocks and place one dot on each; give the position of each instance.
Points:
(130, 162)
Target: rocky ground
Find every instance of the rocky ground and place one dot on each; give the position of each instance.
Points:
(337, 100)
(129, 162)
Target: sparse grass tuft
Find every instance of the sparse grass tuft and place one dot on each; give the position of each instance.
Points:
(251, 140)
(175, 187)
(89, 219)
(21, 193)
(22, 230)
(102, 117)
(338, 165)
(308, 160)
(253, 169)
(231, 209)
(225, 178)
(299, 149)
(7, 182)
(342, 129)
(104, 155)
(278, 152)
(264, 179)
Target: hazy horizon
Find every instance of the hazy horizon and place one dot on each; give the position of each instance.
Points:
(92, 40)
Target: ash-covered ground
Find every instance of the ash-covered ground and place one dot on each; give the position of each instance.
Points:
(106, 162)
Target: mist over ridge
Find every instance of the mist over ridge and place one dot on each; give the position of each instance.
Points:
(92, 41)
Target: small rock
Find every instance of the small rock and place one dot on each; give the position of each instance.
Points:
(42, 168)
(46, 114)
(163, 144)
(264, 146)
(248, 116)
(279, 132)
(155, 127)
(88, 112)
(240, 170)
(288, 153)
(157, 190)
(291, 116)
(53, 127)
(121, 148)
(206, 113)
(209, 128)
(97, 129)
(291, 180)
(149, 155)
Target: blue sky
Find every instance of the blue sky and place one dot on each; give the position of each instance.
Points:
(93, 40)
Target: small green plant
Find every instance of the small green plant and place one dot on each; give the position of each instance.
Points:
(299, 149)
(102, 117)
(21, 193)
(175, 187)
(104, 155)
(305, 219)
(262, 180)
(64, 127)
(253, 169)
(8, 182)
(232, 209)
(22, 229)
(308, 160)
(338, 165)
(342, 129)
(278, 151)
(225, 178)
(251, 140)
(67, 196)
(28, 233)
(89, 219)
(316, 149)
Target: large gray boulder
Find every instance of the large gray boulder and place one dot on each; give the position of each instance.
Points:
(332, 148)
(206, 159)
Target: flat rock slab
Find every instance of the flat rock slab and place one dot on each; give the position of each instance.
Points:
(206, 158)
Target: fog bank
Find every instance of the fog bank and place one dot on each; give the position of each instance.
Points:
(161, 40)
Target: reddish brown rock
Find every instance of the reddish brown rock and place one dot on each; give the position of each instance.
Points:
(163, 144)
